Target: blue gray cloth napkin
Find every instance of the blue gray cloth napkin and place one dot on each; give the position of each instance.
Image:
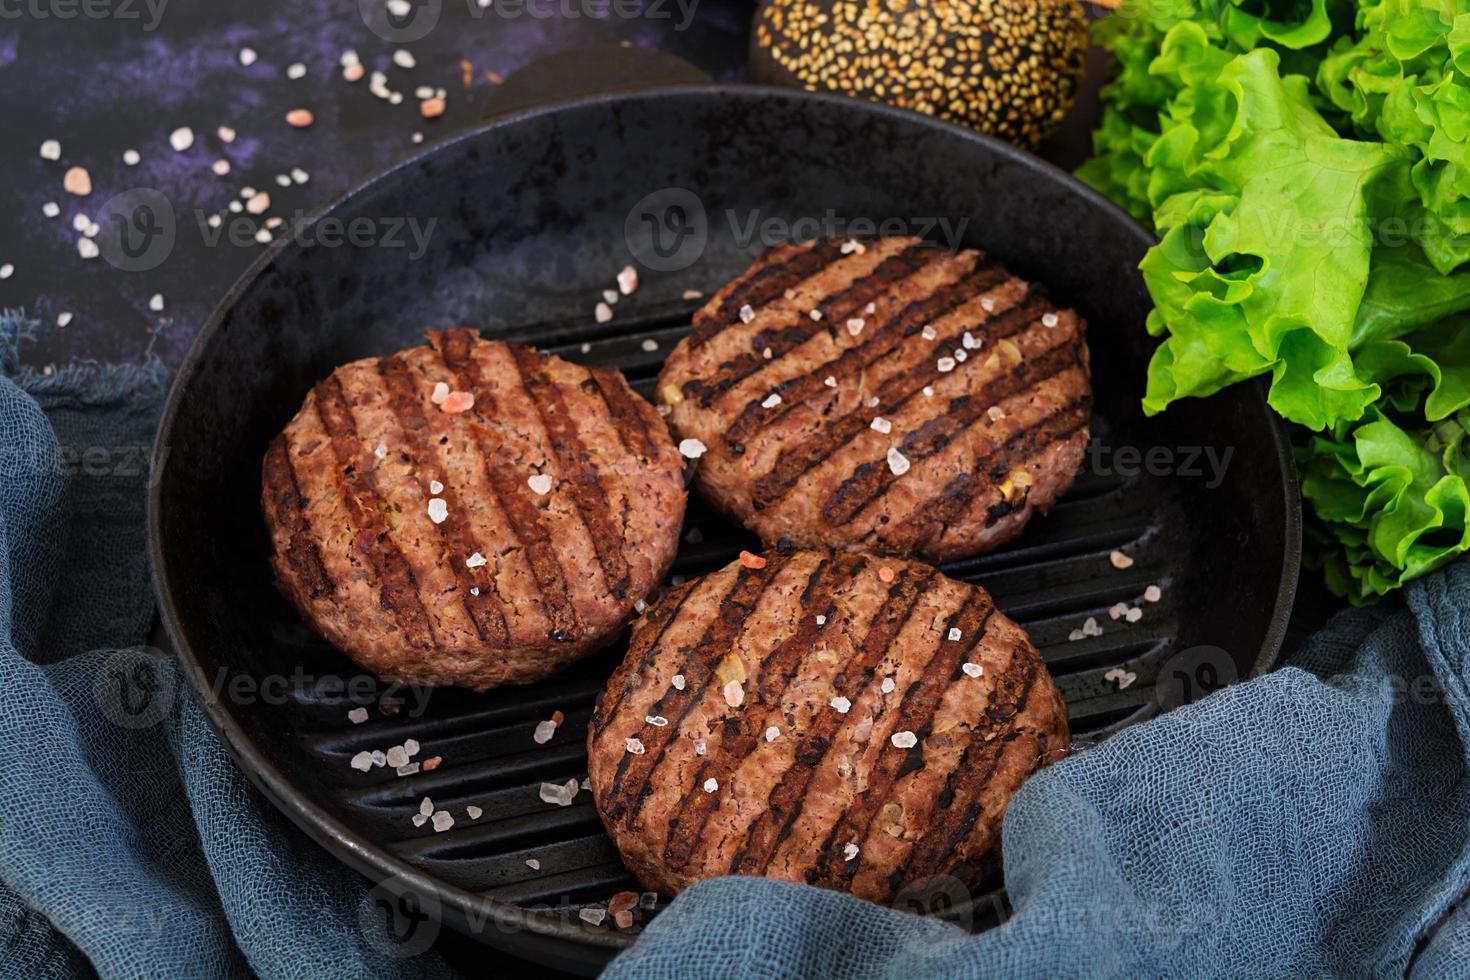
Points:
(1315, 822)
(130, 844)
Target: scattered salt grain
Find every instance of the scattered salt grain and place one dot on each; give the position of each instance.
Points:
(419, 819)
(771, 400)
(821, 620)
(627, 280)
(540, 483)
(657, 721)
(50, 209)
(973, 670)
(357, 716)
(1133, 615)
(678, 681)
(734, 694)
(379, 759)
(441, 392)
(1049, 320)
(298, 70)
(772, 733)
(904, 740)
(815, 314)
(887, 686)
(62, 319)
(363, 761)
(650, 345)
(6, 271)
(1117, 609)
(1120, 560)
(403, 58)
(849, 851)
(830, 382)
(474, 561)
(855, 326)
(474, 812)
(711, 785)
(443, 821)
(51, 150)
(300, 118)
(969, 341)
(544, 731)
(929, 333)
(995, 413)
(882, 425)
(699, 746)
(1123, 678)
(426, 806)
(247, 56)
(746, 313)
(1152, 594)
(77, 181)
(954, 634)
(533, 864)
(407, 770)
(560, 795)
(458, 401)
(634, 746)
(299, 176)
(853, 245)
(602, 313)
(842, 704)
(397, 756)
(946, 365)
(692, 448)
(898, 463)
(438, 510)
(87, 248)
(592, 917)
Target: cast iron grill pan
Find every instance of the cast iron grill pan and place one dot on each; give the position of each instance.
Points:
(525, 255)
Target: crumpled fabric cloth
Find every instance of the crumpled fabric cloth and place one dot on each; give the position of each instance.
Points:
(1314, 822)
(130, 844)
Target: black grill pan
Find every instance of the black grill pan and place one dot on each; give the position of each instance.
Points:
(533, 217)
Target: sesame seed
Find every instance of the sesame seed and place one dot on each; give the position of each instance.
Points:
(904, 740)
(692, 448)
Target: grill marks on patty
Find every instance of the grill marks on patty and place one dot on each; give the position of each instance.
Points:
(806, 466)
(348, 488)
(789, 807)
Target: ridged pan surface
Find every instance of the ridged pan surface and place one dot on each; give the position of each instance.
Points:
(529, 220)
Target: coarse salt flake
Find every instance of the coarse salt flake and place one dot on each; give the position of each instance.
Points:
(771, 401)
(441, 392)
(634, 746)
(692, 448)
(602, 313)
(830, 382)
(533, 864)
(772, 733)
(397, 756)
(849, 851)
(540, 483)
(442, 821)
(1049, 320)
(855, 325)
(649, 344)
(842, 704)
(929, 333)
(544, 731)
(734, 694)
(711, 784)
(181, 139)
(457, 401)
(746, 313)
(904, 740)
(627, 280)
(357, 716)
(657, 721)
(973, 670)
(880, 424)
(474, 812)
(435, 486)
(1152, 594)
(887, 686)
(678, 681)
(363, 761)
(946, 365)
(1133, 615)
(475, 560)
(438, 510)
(1120, 560)
(954, 634)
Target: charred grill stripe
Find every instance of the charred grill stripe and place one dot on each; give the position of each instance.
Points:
(835, 310)
(522, 517)
(972, 774)
(766, 284)
(622, 408)
(915, 712)
(289, 508)
(955, 499)
(869, 481)
(786, 800)
(397, 586)
(777, 671)
(660, 618)
(578, 469)
(635, 772)
(893, 394)
(484, 609)
(877, 344)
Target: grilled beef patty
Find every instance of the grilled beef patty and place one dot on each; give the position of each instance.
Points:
(855, 722)
(441, 542)
(891, 397)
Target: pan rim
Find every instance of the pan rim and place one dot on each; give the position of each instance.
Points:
(376, 862)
